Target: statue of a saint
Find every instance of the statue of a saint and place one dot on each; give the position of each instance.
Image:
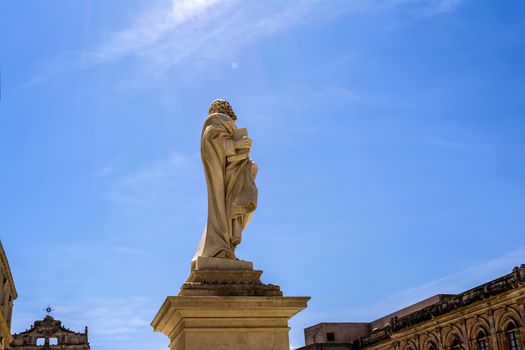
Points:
(230, 177)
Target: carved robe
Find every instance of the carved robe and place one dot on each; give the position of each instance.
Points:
(232, 194)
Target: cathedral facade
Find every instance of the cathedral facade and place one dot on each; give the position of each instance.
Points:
(50, 334)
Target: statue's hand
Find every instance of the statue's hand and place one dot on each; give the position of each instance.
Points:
(243, 142)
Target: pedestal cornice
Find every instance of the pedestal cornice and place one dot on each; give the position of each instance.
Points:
(181, 315)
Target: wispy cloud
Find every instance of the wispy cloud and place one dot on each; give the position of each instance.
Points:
(106, 317)
(104, 171)
(460, 145)
(443, 6)
(451, 218)
(142, 185)
(130, 251)
(199, 31)
(71, 256)
(111, 317)
(454, 283)
(206, 29)
(155, 171)
(451, 284)
(153, 28)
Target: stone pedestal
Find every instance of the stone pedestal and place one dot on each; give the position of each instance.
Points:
(224, 306)
(227, 323)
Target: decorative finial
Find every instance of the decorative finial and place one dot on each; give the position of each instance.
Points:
(48, 309)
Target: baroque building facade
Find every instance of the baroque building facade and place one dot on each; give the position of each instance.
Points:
(8, 295)
(488, 317)
(50, 334)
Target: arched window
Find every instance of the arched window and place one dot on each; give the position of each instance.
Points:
(481, 340)
(456, 344)
(431, 346)
(512, 336)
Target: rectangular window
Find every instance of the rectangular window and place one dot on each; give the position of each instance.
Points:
(330, 336)
(482, 344)
(513, 340)
(40, 341)
(53, 341)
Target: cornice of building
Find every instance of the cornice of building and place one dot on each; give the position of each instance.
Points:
(7, 269)
(480, 308)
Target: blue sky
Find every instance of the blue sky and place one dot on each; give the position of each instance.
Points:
(388, 134)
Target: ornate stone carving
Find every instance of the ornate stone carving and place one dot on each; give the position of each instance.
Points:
(227, 283)
(48, 329)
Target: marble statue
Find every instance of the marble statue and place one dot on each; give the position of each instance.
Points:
(230, 178)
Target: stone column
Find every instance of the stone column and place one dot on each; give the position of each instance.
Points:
(224, 306)
(493, 331)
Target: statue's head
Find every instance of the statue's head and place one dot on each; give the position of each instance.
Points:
(222, 106)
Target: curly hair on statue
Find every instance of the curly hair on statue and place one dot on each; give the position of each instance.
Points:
(222, 106)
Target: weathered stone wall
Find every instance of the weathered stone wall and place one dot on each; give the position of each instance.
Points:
(343, 332)
(7, 296)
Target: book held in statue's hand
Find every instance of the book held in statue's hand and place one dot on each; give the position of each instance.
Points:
(242, 153)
